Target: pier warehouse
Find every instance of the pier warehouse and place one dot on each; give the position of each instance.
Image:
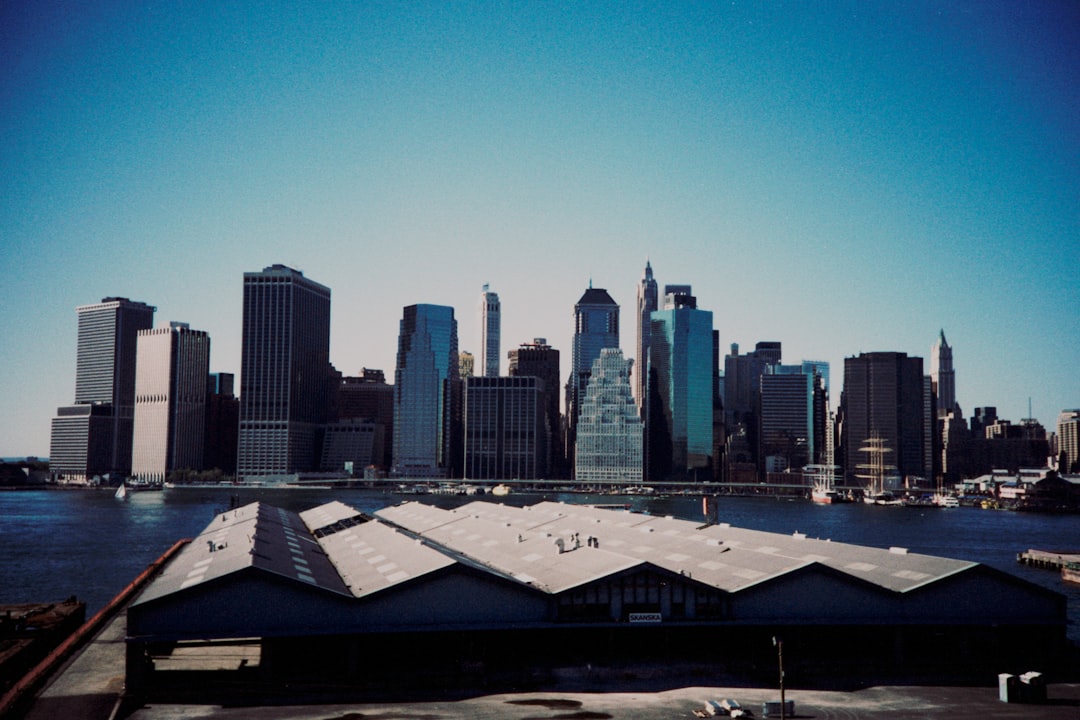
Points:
(419, 594)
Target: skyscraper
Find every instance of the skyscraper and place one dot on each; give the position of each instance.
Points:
(1068, 438)
(786, 418)
(540, 360)
(679, 421)
(505, 429)
(490, 320)
(285, 372)
(943, 376)
(170, 401)
(883, 399)
(596, 326)
(426, 392)
(609, 439)
(646, 304)
(86, 442)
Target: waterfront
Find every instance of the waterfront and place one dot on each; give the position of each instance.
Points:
(89, 544)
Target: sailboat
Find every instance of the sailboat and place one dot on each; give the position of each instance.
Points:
(823, 484)
(121, 492)
(874, 471)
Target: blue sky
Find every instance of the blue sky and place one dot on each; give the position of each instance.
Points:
(842, 177)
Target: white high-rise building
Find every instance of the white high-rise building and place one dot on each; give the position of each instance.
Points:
(172, 365)
(609, 431)
(490, 322)
(1068, 438)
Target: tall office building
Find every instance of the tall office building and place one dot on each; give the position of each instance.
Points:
(285, 373)
(1068, 439)
(505, 429)
(883, 398)
(222, 423)
(540, 360)
(679, 420)
(94, 442)
(647, 303)
(742, 396)
(610, 431)
(426, 392)
(596, 326)
(466, 365)
(786, 418)
(170, 401)
(943, 376)
(490, 321)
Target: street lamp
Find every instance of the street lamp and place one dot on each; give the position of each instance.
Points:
(779, 643)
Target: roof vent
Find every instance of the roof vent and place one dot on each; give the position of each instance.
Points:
(898, 550)
(798, 535)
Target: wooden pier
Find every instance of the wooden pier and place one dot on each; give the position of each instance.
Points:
(1051, 559)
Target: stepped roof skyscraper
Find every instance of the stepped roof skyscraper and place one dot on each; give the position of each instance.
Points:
(426, 392)
(646, 304)
(285, 380)
(609, 443)
(93, 437)
(490, 324)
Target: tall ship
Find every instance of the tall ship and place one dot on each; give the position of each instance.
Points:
(875, 473)
(823, 484)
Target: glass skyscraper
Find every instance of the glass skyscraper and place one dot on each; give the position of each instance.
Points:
(426, 392)
(596, 326)
(285, 379)
(680, 378)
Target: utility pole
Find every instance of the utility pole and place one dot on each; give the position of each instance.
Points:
(779, 643)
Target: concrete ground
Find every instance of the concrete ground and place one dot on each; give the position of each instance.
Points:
(90, 687)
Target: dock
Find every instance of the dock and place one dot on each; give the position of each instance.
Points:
(1050, 559)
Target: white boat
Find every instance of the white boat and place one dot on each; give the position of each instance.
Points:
(946, 501)
(501, 489)
(875, 472)
(121, 492)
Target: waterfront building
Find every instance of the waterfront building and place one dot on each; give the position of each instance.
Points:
(90, 443)
(370, 397)
(170, 401)
(222, 423)
(679, 421)
(647, 303)
(285, 373)
(610, 431)
(1068, 439)
(505, 428)
(596, 326)
(786, 432)
(943, 376)
(883, 400)
(563, 585)
(490, 324)
(540, 360)
(466, 365)
(426, 392)
(351, 445)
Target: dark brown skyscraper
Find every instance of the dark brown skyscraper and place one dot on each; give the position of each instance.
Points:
(538, 359)
(883, 398)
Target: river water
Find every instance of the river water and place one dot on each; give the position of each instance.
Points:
(89, 544)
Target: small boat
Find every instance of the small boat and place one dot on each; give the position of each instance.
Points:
(1070, 572)
(946, 501)
(121, 492)
(501, 489)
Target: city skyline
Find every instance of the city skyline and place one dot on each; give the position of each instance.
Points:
(841, 178)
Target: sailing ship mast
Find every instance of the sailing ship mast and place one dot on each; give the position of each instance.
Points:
(873, 471)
